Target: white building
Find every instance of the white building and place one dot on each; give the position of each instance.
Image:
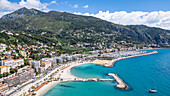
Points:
(35, 64)
(2, 47)
(18, 62)
(46, 64)
(12, 63)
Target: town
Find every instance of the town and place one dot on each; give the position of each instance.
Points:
(20, 68)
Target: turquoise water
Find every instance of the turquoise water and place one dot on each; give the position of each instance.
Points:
(140, 73)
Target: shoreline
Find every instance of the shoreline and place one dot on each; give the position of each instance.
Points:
(66, 72)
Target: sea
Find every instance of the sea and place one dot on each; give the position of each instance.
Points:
(139, 73)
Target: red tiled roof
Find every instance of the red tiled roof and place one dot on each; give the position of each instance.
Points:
(17, 59)
(7, 60)
(3, 66)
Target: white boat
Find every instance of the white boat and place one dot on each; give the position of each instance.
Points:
(152, 91)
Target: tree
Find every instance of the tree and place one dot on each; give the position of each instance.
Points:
(5, 74)
(1, 75)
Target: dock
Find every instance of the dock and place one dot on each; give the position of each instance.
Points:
(121, 83)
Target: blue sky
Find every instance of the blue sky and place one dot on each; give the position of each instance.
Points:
(154, 13)
(112, 5)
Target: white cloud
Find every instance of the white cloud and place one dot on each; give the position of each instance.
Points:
(86, 6)
(159, 19)
(10, 6)
(7, 5)
(76, 6)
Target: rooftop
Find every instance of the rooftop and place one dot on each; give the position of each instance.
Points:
(3, 66)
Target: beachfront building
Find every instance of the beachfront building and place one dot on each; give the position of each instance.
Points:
(35, 64)
(46, 64)
(41, 69)
(12, 80)
(4, 68)
(69, 58)
(53, 61)
(2, 47)
(59, 59)
(4, 87)
(26, 74)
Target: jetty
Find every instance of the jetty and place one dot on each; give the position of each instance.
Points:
(110, 64)
(121, 84)
(92, 79)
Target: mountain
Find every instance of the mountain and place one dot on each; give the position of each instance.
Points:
(23, 12)
(72, 29)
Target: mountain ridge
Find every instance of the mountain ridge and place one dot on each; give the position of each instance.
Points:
(61, 25)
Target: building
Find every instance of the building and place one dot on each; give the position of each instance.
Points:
(26, 75)
(9, 62)
(23, 53)
(12, 81)
(45, 64)
(4, 68)
(35, 64)
(12, 63)
(53, 61)
(59, 60)
(3, 87)
(41, 69)
(69, 58)
(18, 62)
(2, 47)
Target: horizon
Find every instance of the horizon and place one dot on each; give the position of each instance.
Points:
(151, 13)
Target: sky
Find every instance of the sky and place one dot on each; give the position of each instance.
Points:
(153, 13)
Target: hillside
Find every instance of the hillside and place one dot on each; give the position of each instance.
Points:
(72, 29)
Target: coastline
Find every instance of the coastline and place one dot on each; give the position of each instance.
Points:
(66, 72)
(46, 87)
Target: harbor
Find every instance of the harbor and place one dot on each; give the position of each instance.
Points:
(111, 63)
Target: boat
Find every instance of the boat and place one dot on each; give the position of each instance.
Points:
(152, 91)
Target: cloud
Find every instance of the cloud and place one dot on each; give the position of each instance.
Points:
(7, 5)
(159, 19)
(86, 6)
(10, 6)
(75, 6)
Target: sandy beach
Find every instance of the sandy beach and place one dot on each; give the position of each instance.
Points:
(46, 87)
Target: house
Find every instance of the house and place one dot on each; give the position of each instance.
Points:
(4, 87)
(45, 64)
(23, 53)
(4, 68)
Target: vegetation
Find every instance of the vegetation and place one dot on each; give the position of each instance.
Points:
(68, 29)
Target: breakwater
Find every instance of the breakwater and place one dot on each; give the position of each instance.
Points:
(110, 64)
(121, 83)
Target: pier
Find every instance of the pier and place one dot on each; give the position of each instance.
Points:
(110, 64)
(121, 84)
(92, 79)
